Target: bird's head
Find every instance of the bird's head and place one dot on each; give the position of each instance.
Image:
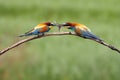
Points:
(73, 25)
(49, 24)
(70, 25)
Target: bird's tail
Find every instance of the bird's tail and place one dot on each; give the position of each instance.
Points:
(26, 34)
(89, 35)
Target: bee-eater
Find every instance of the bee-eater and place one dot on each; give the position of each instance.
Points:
(81, 30)
(39, 29)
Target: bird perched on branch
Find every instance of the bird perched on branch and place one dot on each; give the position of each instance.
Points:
(84, 32)
(81, 30)
(39, 29)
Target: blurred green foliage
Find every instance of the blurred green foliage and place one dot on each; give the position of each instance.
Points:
(61, 57)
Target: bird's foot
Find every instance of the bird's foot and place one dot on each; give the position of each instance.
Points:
(70, 32)
(42, 34)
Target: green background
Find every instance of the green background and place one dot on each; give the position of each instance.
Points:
(61, 57)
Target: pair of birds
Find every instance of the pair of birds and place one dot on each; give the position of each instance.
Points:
(80, 29)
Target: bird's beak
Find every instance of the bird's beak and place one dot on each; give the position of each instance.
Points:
(53, 24)
(66, 25)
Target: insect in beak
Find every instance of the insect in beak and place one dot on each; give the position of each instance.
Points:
(59, 26)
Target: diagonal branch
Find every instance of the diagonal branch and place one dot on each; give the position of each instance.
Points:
(51, 34)
(108, 45)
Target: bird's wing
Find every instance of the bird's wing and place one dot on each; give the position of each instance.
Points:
(29, 31)
(44, 29)
(84, 28)
(38, 27)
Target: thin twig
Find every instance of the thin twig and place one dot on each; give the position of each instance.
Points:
(108, 45)
(51, 34)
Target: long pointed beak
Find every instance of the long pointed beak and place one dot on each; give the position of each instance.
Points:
(53, 24)
(63, 25)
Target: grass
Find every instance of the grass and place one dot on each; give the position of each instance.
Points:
(62, 57)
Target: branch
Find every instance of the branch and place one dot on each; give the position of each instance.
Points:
(108, 45)
(51, 34)
(32, 38)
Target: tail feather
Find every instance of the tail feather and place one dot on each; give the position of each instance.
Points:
(89, 35)
(26, 34)
(21, 35)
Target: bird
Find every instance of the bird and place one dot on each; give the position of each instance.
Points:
(84, 32)
(81, 30)
(39, 29)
